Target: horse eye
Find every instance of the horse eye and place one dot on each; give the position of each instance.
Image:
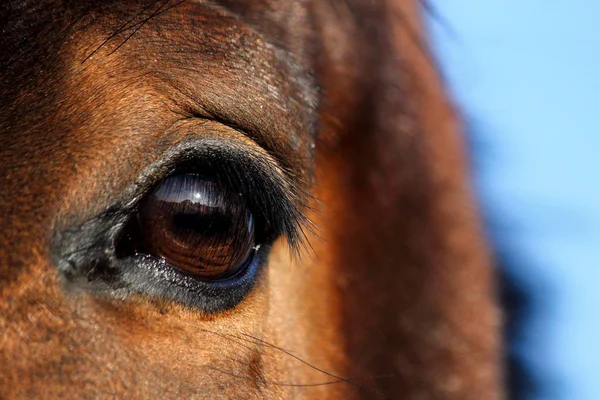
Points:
(197, 226)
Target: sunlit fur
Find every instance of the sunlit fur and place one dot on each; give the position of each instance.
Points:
(392, 297)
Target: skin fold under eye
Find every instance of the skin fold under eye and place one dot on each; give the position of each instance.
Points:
(198, 226)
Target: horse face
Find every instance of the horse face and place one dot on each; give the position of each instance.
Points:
(234, 199)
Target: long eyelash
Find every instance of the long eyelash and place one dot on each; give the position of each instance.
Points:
(284, 203)
(298, 239)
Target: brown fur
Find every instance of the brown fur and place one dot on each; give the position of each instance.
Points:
(396, 299)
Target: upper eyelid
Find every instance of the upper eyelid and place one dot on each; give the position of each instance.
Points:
(195, 138)
(281, 152)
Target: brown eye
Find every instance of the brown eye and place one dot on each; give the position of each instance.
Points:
(197, 226)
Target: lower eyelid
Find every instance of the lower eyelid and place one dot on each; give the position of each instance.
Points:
(149, 277)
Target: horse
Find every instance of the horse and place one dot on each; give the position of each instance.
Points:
(259, 199)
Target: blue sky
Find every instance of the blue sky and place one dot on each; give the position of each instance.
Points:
(527, 75)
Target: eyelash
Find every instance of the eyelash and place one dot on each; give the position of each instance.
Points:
(93, 265)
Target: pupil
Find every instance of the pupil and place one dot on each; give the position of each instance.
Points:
(207, 225)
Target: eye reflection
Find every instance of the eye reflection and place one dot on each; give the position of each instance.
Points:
(197, 226)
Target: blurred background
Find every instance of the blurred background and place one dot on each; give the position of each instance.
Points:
(526, 75)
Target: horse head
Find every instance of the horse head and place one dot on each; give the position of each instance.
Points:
(235, 199)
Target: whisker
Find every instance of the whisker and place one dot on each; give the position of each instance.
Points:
(122, 28)
(144, 22)
(274, 382)
(287, 352)
(136, 26)
(337, 379)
